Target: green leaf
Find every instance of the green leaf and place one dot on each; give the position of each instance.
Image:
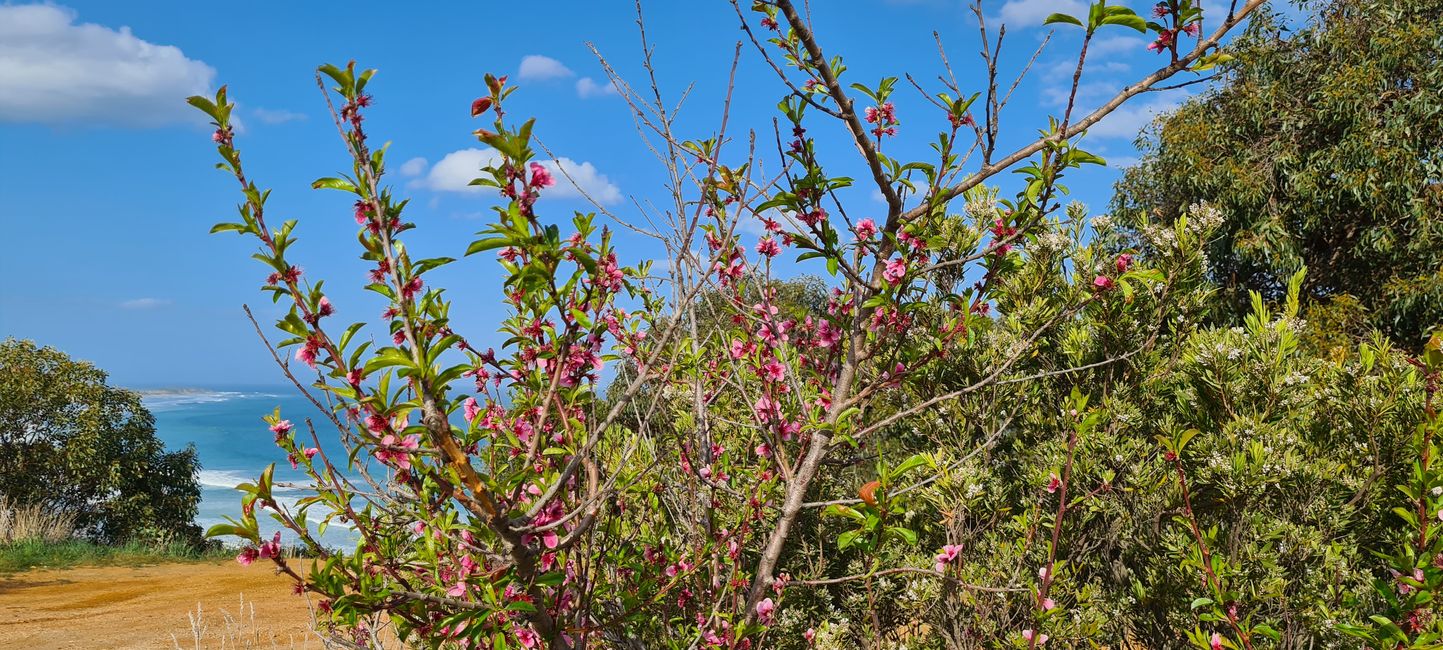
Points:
(1133, 21)
(333, 184)
(1062, 18)
(205, 105)
(220, 530)
(907, 535)
(914, 462)
(838, 510)
(487, 244)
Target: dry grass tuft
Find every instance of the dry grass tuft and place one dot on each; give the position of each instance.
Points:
(20, 523)
(237, 631)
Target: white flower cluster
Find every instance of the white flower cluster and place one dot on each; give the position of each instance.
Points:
(982, 209)
(1204, 217)
(1295, 378)
(1159, 237)
(1052, 242)
(1102, 223)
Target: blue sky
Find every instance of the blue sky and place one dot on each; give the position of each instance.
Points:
(107, 185)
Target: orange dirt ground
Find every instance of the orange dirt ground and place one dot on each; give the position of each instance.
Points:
(142, 607)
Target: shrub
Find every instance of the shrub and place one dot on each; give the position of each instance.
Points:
(990, 428)
(1321, 144)
(75, 447)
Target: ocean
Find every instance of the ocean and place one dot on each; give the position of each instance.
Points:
(235, 445)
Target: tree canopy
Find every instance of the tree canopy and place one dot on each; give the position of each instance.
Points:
(72, 442)
(1321, 147)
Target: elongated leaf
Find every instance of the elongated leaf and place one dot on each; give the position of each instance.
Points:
(1062, 18)
(333, 184)
(1133, 21)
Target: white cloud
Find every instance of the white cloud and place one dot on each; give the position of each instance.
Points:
(1021, 14)
(587, 88)
(594, 183)
(535, 67)
(144, 303)
(1136, 46)
(413, 167)
(53, 70)
(1131, 117)
(277, 116)
(454, 173)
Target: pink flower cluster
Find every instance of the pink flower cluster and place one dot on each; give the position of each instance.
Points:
(396, 452)
(885, 117)
(267, 551)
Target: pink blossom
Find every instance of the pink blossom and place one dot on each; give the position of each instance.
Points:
(307, 354)
(764, 450)
(773, 371)
(766, 408)
(1160, 10)
(947, 556)
(457, 590)
(527, 638)
(246, 556)
(1164, 40)
(1191, 29)
(411, 288)
(764, 610)
(1217, 641)
(740, 348)
(400, 459)
(1123, 263)
(884, 114)
(282, 428)
(894, 271)
(813, 217)
(1048, 604)
(866, 228)
(471, 408)
(311, 452)
(540, 177)
(1041, 638)
(810, 635)
(1103, 283)
(271, 549)
(1053, 483)
(324, 308)
(768, 247)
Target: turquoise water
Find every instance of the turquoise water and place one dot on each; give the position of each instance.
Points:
(235, 445)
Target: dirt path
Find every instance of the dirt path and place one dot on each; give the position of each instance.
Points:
(141, 607)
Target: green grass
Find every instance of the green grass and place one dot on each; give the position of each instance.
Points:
(33, 554)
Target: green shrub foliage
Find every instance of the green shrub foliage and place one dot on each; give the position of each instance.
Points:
(1323, 146)
(987, 419)
(74, 443)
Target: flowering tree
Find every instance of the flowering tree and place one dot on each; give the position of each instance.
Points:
(501, 501)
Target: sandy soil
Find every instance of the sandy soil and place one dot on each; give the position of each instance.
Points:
(142, 607)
